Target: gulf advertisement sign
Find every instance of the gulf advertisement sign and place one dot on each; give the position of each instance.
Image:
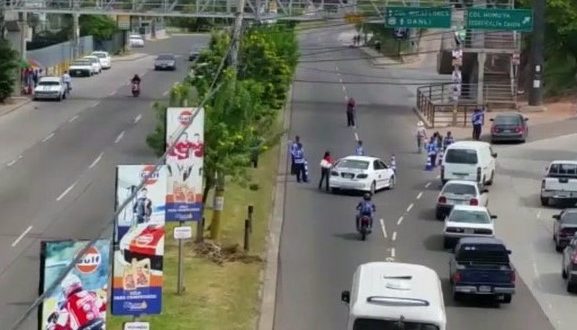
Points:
(184, 163)
(86, 282)
(139, 240)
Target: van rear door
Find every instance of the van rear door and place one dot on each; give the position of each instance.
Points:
(461, 164)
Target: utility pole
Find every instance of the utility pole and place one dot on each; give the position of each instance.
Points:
(218, 204)
(75, 30)
(537, 54)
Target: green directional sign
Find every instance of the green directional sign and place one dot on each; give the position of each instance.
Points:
(500, 19)
(418, 17)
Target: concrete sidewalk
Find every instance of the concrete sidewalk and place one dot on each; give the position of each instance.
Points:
(13, 103)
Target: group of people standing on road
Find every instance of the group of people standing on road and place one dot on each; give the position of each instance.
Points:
(435, 146)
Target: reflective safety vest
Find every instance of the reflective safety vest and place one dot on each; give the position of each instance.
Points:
(359, 151)
(477, 118)
(432, 149)
(299, 157)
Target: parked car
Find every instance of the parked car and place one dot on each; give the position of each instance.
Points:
(194, 54)
(459, 192)
(481, 266)
(509, 127)
(465, 221)
(81, 68)
(135, 41)
(469, 160)
(96, 67)
(165, 62)
(564, 228)
(569, 265)
(362, 173)
(104, 57)
(52, 88)
(560, 183)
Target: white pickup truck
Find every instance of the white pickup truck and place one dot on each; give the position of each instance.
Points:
(560, 182)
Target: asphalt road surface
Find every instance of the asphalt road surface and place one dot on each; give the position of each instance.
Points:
(319, 246)
(59, 160)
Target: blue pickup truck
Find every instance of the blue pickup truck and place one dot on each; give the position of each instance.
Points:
(481, 266)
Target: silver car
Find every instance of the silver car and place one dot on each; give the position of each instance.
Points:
(460, 192)
(52, 88)
(165, 62)
(564, 228)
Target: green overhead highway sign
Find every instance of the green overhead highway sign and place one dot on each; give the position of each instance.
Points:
(500, 19)
(418, 17)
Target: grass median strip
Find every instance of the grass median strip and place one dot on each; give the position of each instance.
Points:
(219, 296)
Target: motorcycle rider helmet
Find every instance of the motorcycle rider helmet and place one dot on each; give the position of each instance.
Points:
(367, 196)
(70, 283)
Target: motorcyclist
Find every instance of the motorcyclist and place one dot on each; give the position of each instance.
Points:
(366, 208)
(135, 79)
(67, 80)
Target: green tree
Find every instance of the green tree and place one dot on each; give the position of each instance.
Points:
(8, 69)
(99, 26)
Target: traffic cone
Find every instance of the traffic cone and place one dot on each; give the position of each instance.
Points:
(429, 165)
(440, 158)
(307, 170)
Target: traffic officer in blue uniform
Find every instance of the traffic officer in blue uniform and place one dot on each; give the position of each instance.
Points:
(359, 150)
(448, 140)
(477, 119)
(299, 161)
(432, 151)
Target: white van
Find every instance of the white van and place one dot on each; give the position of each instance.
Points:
(470, 161)
(391, 295)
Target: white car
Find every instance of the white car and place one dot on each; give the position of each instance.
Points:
(460, 192)
(467, 221)
(81, 68)
(135, 40)
(95, 61)
(50, 88)
(362, 173)
(104, 57)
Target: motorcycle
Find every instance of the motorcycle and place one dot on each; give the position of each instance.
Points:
(364, 227)
(135, 89)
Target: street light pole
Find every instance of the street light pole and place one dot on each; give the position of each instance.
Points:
(537, 54)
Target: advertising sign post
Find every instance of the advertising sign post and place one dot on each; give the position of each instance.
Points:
(139, 242)
(184, 162)
(87, 283)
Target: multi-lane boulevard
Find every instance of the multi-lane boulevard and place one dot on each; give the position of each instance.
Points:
(57, 164)
(319, 246)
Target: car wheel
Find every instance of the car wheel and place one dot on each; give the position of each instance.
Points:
(457, 296)
(564, 273)
(443, 182)
(439, 214)
(446, 243)
(373, 188)
(570, 287)
(544, 201)
(507, 298)
(392, 182)
(558, 248)
(64, 96)
(490, 182)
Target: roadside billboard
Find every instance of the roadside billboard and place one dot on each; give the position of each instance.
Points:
(184, 164)
(139, 241)
(86, 282)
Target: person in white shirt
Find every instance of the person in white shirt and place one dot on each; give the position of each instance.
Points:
(421, 135)
(68, 81)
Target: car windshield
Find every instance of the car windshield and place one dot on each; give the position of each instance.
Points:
(165, 57)
(469, 216)
(353, 164)
(372, 324)
(100, 55)
(48, 83)
(91, 60)
(81, 63)
(507, 120)
(461, 156)
(459, 189)
(489, 253)
(570, 217)
(563, 171)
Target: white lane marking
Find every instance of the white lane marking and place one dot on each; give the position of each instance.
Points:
(419, 195)
(112, 93)
(51, 135)
(427, 185)
(400, 221)
(346, 98)
(96, 160)
(538, 214)
(337, 67)
(356, 136)
(95, 104)
(535, 269)
(393, 252)
(165, 93)
(410, 207)
(394, 238)
(137, 118)
(119, 137)
(383, 228)
(12, 162)
(341, 80)
(344, 88)
(65, 192)
(73, 118)
(19, 238)
(438, 176)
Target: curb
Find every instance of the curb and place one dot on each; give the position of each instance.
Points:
(270, 272)
(14, 108)
(136, 56)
